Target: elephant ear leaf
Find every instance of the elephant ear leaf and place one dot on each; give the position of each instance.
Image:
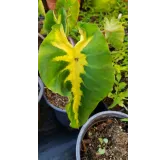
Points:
(84, 71)
(114, 32)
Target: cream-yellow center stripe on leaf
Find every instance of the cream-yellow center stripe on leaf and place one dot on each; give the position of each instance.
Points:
(76, 61)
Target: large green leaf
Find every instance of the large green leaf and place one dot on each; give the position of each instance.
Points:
(41, 10)
(114, 32)
(83, 72)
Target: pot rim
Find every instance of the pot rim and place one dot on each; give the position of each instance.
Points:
(91, 121)
(40, 83)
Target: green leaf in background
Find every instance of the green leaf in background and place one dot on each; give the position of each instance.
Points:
(62, 18)
(118, 77)
(41, 10)
(72, 8)
(122, 85)
(51, 19)
(103, 5)
(73, 14)
(118, 98)
(116, 101)
(124, 94)
(114, 32)
(83, 72)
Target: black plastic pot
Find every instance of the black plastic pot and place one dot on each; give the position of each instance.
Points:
(94, 119)
(61, 114)
(41, 85)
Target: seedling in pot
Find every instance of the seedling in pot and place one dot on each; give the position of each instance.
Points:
(104, 140)
(89, 134)
(101, 149)
(109, 143)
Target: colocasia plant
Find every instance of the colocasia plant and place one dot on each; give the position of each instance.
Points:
(114, 32)
(82, 72)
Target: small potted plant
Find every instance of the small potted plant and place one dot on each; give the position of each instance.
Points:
(103, 136)
(83, 73)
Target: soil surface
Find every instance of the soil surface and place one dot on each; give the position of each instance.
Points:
(56, 99)
(106, 140)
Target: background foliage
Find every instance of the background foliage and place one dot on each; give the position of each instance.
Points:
(119, 11)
